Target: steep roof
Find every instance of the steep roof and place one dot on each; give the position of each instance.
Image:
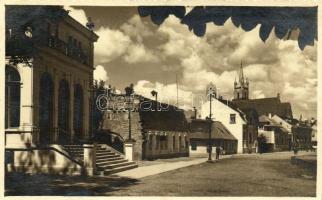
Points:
(265, 106)
(169, 119)
(233, 107)
(199, 129)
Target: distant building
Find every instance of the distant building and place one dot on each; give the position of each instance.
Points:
(302, 135)
(159, 130)
(314, 133)
(277, 132)
(241, 87)
(263, 106)
(220, 136)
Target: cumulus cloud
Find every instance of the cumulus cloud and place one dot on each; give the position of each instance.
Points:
(137, 53)
(166, 93)
(276, 66)
(136, 28)
(100, 74)
(111, 45)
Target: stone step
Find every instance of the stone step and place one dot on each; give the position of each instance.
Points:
(103, 157)
(106, 157)
(104, 153)
(120, 169)
(108, 160)
(116, 165)
(121, 160)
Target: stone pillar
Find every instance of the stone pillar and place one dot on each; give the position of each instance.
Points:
(183, 138)
(129, 150)
(90, 159)
(26, 102)
(170, 142)
(71, 108)
(86, 110)
(153, 144)
(56, 80)
(178, 142)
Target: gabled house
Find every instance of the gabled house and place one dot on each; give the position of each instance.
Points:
(233, 119)
(220, 137)
(277, 133)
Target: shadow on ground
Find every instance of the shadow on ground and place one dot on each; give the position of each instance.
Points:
(19, 184)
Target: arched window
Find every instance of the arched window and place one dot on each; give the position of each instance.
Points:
(78, 109)
(63, 110)
(46, 89)
(12, 97)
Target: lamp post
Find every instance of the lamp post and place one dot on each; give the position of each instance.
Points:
(211, 93)
(130, 143)
(155, 93)
(130, 101)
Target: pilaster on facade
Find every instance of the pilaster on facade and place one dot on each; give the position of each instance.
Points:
(71, 107)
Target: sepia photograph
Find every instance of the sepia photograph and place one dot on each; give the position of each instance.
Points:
(171, 101)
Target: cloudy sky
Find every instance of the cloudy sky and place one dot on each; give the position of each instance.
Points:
(132, 49)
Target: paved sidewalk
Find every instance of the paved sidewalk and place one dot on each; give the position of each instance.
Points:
(150, 170)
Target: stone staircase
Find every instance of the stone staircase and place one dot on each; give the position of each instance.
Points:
(108, 160)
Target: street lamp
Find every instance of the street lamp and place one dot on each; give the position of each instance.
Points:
(211, 92)
(131, 101)
(155, 93)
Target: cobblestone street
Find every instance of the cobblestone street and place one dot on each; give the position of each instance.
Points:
(242, 175)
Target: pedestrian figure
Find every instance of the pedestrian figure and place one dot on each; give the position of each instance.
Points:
(295, 148)
(217, 152)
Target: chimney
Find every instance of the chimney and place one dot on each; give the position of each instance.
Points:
(195, 112)
(278, 95)
(270, 115)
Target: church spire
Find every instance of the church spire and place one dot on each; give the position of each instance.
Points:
(241, 89)
(241, 73)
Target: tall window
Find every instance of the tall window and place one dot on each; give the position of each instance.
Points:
(12, 97)
(78, 109)
(63, 110)
(46, 92)
(233, 118)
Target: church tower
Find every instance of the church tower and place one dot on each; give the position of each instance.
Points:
(241, 88)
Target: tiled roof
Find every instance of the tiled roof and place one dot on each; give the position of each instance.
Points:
(199, 129)
(170, 119)
(265, 106)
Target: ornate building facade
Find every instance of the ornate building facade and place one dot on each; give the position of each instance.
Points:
(49, 72)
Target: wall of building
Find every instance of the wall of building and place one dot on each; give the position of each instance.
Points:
(221, 112)
(198, 147)
(118, 122)
(53, 160)
(165, 144)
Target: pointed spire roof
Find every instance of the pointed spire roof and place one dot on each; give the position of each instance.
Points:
(241, 73)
